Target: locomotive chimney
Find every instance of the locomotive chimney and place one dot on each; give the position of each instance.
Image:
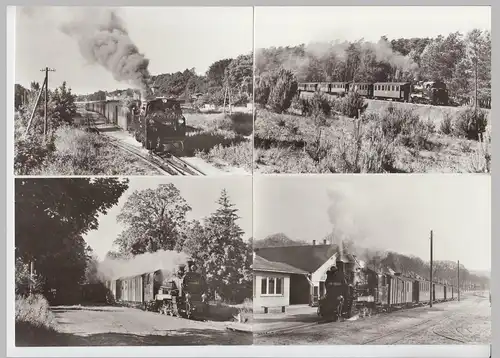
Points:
(324, 241)
(314, 242)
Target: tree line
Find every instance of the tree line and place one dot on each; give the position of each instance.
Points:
(232, 74)
(462, 61)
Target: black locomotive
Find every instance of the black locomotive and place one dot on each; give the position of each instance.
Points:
(184, 293)
(159, 124)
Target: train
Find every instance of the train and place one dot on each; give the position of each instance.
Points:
(430, 92)
(182, 293)
(158, 123)
(351, 288)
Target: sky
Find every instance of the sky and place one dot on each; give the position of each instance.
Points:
(290, 26)
(173, 38)
(396, 212)
(200, 193)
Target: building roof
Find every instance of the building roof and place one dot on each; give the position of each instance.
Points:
(261, 264)
(306, 257)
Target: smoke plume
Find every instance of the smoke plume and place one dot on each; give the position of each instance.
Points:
(103, 38)
(149, 262)
(299, 59)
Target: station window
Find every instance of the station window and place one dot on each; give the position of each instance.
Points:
(272, 286)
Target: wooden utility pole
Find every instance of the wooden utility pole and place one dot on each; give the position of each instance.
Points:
(46, 70)
(34, 108)
(458, 279)
(225, 93)
(431, 295)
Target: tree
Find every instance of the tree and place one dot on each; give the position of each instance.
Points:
(63, 106)
(220, 251)
(478, 47)
(153, 218)
(51, 218)
(283, 91)
(217, 71)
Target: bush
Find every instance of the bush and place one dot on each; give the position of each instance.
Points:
(24, 280)
(318, 105)
(35, 311)
(351, 105)
(280, 97)
(446, 125)
(405, 126)
(470, 123)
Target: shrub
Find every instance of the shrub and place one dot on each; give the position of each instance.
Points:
(354, 105)
(405, 126)
(471, 123)
(319, 105)
(35, 311)
(24, 281)
(280, 97)
(263, 89)
(300, 105)
(446, 126)
(351, 105)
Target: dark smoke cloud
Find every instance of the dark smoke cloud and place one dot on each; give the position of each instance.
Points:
(103, 38)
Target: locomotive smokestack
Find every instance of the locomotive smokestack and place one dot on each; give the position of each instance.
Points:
(324, 241)
(314, 242)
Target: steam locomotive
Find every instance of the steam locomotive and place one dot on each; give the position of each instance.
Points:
(432, 92)
(350, 288)
(182, 293)
(159, 124)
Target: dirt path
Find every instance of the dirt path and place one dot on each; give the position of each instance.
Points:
(112, 326)
(464, 322)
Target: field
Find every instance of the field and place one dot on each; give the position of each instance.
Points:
(395, 138)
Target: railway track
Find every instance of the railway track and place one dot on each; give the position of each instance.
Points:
(167, 164)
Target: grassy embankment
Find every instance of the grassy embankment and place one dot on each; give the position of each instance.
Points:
(390, 137)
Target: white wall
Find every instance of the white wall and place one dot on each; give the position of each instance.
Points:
(270, 300)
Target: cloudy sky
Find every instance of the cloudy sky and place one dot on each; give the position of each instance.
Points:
(173, 38)
(200, 193)
(395, 212)
(289, 26)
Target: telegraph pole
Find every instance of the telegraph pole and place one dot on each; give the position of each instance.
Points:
(431, 293)
(46, 70)
(458, 279)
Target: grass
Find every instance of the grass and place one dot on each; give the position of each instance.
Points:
(392, 139)
(78, 152)
(221, 139)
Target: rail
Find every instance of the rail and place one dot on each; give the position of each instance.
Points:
(167, 164)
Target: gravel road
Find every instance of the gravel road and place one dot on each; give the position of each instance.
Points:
(117, 326)
(464, 322)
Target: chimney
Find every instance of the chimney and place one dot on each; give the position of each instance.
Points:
(324, 241)
(314, 242)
